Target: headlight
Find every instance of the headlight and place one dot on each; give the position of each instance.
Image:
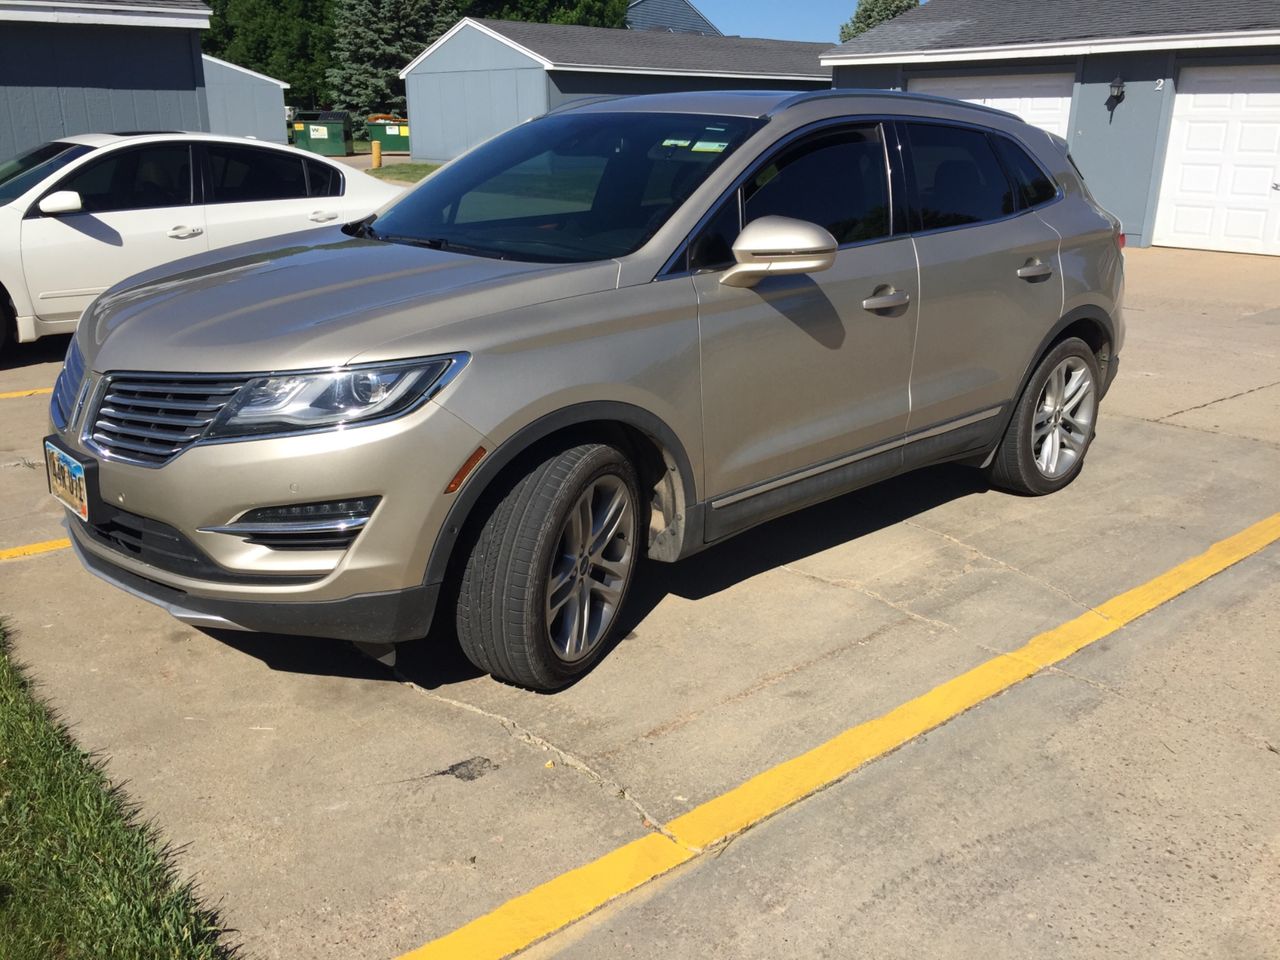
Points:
(293, 402)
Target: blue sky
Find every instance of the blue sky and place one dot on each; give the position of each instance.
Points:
(816, 20)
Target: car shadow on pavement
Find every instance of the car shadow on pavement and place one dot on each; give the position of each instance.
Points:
(437, 661)
(44, 350)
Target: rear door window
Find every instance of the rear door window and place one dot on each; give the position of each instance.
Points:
(958, 178)
(1033, 183)
(837, 179)
(241, 174)
(138, 178)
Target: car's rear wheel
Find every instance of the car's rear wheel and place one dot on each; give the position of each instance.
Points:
(1044, 446)
(550, 569)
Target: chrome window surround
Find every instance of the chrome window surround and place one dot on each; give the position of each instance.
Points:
(457, 363)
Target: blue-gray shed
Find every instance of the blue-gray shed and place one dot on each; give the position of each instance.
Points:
(243, 103)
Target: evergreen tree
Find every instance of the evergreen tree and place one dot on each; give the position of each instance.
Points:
(872, 13)
(373, 41)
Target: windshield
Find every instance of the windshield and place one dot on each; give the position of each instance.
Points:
(19, 174)
(567, 188)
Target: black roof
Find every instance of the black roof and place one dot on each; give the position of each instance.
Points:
(645, 50)
(942, 25)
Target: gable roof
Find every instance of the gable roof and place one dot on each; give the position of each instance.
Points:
(189, 14)
(605, 50)
(950, 30)
(228, 65)
(673, 16)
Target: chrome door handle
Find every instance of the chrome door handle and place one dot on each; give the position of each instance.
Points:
(323, 216)
(887, 301)
(1035, 271)
(184, 233)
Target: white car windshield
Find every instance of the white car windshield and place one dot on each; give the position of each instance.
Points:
(19, 174)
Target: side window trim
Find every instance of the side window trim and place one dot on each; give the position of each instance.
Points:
(677, 264)
(913, 190)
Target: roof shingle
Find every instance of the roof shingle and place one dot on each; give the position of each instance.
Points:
(942, 25)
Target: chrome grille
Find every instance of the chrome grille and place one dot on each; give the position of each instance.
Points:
(62, 404)
(151, 420)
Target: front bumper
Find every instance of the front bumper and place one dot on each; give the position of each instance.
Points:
(391, 617)
(372, 591)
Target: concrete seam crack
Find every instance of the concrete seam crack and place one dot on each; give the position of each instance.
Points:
(1201, 406)
(866, 591)
(529, 738)
(1188, 426)
(1003, 563)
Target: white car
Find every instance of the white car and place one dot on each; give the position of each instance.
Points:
(80, 214)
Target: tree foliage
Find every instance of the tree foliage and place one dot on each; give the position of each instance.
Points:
(285, 39)
(586, 13)
(872, 13)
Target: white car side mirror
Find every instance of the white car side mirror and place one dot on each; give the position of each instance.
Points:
(774, 246)
(61, 201)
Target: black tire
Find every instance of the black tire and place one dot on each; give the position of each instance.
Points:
(1015, 467)
(502, 602)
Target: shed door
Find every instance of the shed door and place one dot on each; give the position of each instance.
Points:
(1221, 184)
(1042, 99)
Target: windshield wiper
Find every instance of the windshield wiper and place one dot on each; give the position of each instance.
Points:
(440, 243)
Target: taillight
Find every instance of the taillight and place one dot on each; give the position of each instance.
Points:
(1120, 241)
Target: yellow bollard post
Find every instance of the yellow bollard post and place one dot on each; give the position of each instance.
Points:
(377, 154)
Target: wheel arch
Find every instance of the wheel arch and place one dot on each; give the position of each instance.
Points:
(664, 465)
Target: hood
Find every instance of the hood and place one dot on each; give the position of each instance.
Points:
(315, 299)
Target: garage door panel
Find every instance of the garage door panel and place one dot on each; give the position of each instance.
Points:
(1043, 100)
(1223, 159)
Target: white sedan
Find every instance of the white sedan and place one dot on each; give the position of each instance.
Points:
(80, 214)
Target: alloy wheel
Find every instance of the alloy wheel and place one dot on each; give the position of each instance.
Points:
(1064, 416)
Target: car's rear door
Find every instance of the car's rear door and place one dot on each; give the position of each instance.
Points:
(803, 385)
(990, 283)
(256, 192)
(140, 210)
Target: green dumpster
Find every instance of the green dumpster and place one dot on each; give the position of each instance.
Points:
(391, 132)
(326, 132)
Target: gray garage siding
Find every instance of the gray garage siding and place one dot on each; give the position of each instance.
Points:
(569, 85)
(61, 79)
(469, 89)
(243, 105)
(1120, 154)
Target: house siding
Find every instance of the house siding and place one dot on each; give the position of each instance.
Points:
(241, 105)
(471, 88)
(566, 85)
(1120, 152)
(676, 16)
(61, 79)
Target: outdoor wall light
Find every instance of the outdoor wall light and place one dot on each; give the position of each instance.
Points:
(1117, 89)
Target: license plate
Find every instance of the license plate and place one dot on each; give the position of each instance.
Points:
(66, 480)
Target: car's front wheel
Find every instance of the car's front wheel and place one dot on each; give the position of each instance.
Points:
(1053, 424)
(550, 568)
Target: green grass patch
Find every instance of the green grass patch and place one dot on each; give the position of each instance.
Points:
(81, 876)
(412, 172)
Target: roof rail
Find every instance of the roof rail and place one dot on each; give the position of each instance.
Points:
(856, 92)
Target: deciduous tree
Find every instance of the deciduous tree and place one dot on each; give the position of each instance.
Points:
(872, 13)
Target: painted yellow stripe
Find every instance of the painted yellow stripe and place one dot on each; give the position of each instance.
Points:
(523, 921)
(32, 549)
(18, 394)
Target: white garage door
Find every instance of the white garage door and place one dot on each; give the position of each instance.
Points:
(1040, 99)
(1221, 185)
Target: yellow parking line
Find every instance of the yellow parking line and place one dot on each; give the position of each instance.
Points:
(18, 394)
(554, 905)
(32, 549)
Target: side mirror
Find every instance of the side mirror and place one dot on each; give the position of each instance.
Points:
(61, 201)
(774, 246)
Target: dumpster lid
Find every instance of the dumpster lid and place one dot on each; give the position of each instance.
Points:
(330, 116)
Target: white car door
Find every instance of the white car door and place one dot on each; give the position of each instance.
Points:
(255, 192)
(137, 212)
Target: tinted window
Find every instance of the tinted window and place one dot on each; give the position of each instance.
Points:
(958, 178)
(325, 181)
(571, 187)
(713, 247)
(154, 176)
(1033, 183)
(19, 174)
(239, 174)
(837, 180)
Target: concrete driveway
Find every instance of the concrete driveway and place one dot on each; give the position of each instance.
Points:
(1119, 803)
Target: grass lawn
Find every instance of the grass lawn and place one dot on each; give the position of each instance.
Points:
(412, 172)
(81, 878)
